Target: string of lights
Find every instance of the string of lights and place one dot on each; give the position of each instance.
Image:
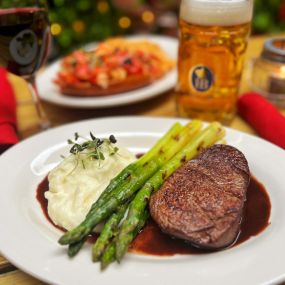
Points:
(83, 21)
(74, 23)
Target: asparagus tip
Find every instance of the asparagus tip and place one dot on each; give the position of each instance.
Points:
(75, 235)
(70, 254)
(120, 252)
(95, 257)
(63, 240)
(104, 265)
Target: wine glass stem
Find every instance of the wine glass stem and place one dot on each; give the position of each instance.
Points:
(43, 119)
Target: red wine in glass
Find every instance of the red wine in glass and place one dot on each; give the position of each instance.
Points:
(24, 44)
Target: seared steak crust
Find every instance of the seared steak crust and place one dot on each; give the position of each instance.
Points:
(203, 201)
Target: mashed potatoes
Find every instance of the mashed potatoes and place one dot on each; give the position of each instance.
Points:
(74, 185)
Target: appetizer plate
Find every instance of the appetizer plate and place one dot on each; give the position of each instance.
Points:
(50, 92)
(29, 241)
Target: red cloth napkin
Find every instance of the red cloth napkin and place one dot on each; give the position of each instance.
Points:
(8, 134)
(263, 117)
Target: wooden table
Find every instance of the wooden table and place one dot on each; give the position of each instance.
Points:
(163, 105)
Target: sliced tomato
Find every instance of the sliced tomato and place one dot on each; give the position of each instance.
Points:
(66, 77)
(80, 57)
(83, 72)
(139, 53)
(135, 67)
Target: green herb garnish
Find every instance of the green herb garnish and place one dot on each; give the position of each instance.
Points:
(93, 148)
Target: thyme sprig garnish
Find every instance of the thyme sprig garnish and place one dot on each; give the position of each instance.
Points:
(93, 148)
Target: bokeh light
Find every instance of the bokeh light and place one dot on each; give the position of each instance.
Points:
(125, 22)
(148, 17)
(55, 29)
(282, 71)
(103, 7)
(78, 26)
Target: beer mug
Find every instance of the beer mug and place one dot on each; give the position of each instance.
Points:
(213, 37)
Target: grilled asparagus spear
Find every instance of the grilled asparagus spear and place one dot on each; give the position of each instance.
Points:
(108, 232)
(109, 254)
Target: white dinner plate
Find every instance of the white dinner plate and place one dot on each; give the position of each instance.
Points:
(50, 92)
(29, 241)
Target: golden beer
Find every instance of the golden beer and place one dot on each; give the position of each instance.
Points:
(213, 40)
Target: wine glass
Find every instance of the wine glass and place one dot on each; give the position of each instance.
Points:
(24, 43)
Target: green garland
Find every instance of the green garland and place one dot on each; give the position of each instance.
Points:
(75, 23)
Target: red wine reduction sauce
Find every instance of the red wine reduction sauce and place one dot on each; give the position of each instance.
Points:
(42, 188)
(153, 241)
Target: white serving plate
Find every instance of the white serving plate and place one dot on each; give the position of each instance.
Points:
(29, 241)
(50, 92)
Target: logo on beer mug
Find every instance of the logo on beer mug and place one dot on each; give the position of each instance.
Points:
(201, 78)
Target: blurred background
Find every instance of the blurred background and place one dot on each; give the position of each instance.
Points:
(74, 23)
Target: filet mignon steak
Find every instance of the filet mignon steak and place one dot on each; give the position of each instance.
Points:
(202, 202)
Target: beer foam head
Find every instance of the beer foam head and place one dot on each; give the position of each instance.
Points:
(216, 12)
